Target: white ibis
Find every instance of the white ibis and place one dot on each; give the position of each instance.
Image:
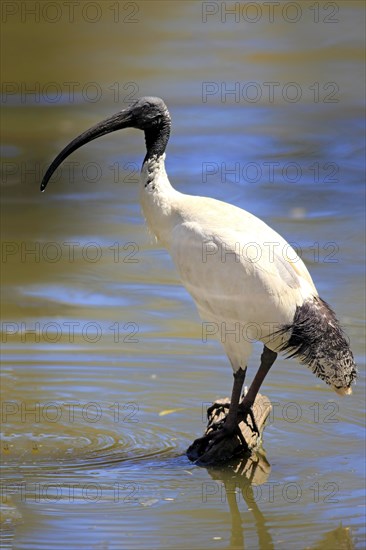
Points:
(236, 268)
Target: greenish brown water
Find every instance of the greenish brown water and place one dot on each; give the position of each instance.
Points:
(105, 376)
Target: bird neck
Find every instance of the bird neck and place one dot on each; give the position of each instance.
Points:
(158, 199)
(157, 138)
(154, 179)
(156, 194)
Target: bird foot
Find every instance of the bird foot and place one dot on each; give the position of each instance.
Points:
(222, 440)
(243, 413)
(220, 443)
(217, 408)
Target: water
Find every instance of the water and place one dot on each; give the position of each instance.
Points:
(101, 400)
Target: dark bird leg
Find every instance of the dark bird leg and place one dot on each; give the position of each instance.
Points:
(268, 357)
(231, 421)
(221, 440)
(239, 378)
(229, 426)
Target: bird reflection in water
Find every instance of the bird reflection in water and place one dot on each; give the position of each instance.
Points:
(240, 483)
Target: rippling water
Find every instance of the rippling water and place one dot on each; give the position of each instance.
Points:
(105, 377)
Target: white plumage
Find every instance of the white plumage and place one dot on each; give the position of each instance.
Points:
(219, 252)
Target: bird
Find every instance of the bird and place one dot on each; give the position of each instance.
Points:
(247, 282)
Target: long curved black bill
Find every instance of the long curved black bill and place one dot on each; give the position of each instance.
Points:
(123, 119)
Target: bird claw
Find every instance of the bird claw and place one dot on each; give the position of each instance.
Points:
(244, 412)
(216, 435)
(222, 441)
(216, 407)
(220, 444)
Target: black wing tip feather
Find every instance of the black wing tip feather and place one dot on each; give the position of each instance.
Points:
(317, 339)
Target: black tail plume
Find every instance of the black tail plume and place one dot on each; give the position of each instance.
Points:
(318, 341)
